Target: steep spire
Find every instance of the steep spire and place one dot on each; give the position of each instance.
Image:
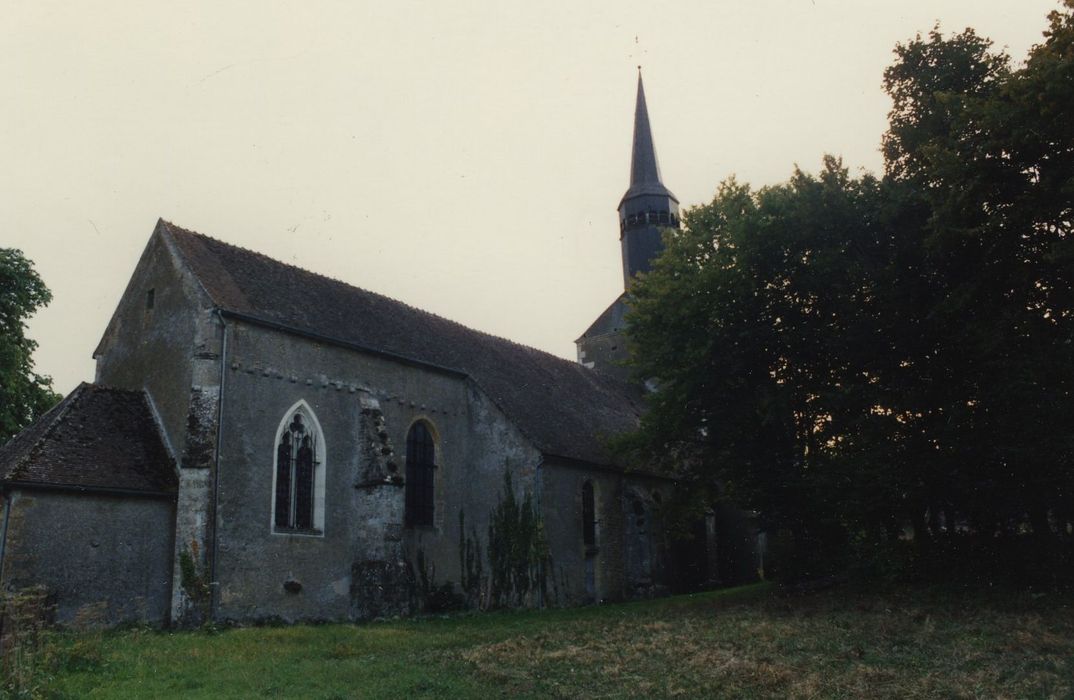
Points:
(643, 165)
(644, 168)
(647, 206)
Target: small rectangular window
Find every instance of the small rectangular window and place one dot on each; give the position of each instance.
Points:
(150, 298)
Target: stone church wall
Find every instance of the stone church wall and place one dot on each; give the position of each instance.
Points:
(263, 573)
(268, 372)
(647, 545)
(561, 504)
(472, 480)
(635, 555)
(106, 557)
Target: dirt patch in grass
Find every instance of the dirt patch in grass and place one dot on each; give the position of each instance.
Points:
(832, 645)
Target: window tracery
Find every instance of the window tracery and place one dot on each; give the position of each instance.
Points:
(298, 479)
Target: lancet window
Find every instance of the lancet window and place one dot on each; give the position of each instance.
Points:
(298, 492)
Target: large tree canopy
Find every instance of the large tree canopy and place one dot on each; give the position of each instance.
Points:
(856, 356)
(24, 395)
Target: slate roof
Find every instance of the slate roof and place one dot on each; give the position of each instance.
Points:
(644, 168)
(565, 409)
(97, 438)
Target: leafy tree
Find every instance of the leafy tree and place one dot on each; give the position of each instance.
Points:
(852, 355)
(990, 155)
(24, 395)
(753, 325)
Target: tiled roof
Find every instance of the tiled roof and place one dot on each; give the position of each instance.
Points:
(98, 438)
(565, 409)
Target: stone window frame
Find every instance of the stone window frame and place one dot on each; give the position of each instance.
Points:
(434, 477)
(301, 407)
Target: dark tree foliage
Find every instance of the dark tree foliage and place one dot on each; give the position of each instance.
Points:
(762, 325)
(987, 155)
(24, 395)
(860, 359)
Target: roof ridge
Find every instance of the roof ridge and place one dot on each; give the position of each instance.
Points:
(249, 251)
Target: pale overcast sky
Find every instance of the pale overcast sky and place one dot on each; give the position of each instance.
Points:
(465, 157)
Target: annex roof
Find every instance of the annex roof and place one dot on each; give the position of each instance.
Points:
(565, 409)
(97, 438)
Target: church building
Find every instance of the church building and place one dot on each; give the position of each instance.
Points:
(262, 442)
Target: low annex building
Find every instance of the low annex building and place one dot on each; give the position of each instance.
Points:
(89, 502)
(262, 442)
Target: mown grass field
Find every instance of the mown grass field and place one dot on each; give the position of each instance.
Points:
(749, 642)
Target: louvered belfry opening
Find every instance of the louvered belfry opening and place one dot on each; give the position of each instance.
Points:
(296, 457)
(420, 475)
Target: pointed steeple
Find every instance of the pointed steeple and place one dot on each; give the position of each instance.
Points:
(644, 168)
(647, 206)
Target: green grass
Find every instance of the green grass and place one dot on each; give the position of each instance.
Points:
(747, 642)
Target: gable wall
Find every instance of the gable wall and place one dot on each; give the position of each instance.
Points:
(171, 350)
(603, 346)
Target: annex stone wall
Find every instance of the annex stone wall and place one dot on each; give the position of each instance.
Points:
(111, 553)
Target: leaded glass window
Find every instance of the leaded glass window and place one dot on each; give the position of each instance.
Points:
(296, 471)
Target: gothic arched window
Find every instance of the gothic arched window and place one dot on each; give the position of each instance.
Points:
(420, 476)
(298, 475)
